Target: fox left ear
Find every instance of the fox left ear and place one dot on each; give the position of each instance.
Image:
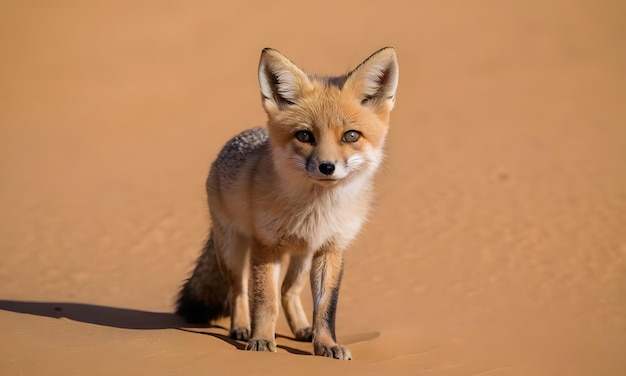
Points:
(376, 80)
(282, 82)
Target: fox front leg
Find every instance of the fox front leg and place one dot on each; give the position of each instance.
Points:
(326, 272)
(263, 299)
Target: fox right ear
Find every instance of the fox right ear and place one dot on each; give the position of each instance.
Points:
(282, 82)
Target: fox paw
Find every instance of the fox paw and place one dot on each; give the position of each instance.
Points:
(261, 345)
(332, 351)
(240, 334)
(304, 334)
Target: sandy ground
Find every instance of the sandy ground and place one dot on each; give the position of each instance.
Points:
(498, 241)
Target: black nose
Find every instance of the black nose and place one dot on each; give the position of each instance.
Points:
(327, 168)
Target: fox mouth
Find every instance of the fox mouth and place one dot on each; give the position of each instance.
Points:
(326, 181)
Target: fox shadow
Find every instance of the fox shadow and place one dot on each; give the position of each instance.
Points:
(123, 318)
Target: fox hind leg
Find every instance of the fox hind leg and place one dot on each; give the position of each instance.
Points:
(295, 279)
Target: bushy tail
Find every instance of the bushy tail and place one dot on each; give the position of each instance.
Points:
(204, 297)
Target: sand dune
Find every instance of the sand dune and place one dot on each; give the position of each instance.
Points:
(497, 244)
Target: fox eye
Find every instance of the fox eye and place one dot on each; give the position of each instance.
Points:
(305, 136)
(351, 136)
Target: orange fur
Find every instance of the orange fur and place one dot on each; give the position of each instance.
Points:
(301, 187)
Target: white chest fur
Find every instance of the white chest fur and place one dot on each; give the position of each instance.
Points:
(321, 217)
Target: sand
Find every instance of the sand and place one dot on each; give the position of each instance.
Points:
(497, 245)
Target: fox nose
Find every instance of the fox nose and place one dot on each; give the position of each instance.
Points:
(327, 168)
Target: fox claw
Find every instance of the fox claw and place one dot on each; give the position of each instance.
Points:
(333, 351)
(261, 345)
(240, 334)
(304, 334)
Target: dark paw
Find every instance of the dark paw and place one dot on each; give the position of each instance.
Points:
(304, 334)
(261, 345)
(332, 351)
(240, 334)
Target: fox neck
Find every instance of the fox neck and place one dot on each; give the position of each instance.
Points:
(326, 214)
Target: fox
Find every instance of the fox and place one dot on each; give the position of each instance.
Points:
(298, 189)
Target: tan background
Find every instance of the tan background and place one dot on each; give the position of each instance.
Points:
(498, 241)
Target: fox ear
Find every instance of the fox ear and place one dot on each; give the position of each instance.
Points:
(376, 79)
(282, 82)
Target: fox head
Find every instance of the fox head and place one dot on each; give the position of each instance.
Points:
(327, 130)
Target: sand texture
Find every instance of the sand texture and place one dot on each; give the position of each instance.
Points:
(497, 244)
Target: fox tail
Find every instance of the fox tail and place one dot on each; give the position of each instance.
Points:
(204, 296)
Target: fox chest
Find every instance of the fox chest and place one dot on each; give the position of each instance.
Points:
(314, 225)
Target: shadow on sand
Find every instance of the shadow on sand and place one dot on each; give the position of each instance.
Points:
(123, 318)
(94, 314)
